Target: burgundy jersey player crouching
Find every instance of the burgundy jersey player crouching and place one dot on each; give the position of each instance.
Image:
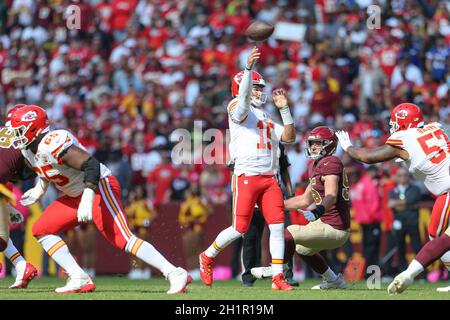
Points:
(329, 225)
(90, 193)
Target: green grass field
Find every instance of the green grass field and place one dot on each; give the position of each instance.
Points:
(155, 289)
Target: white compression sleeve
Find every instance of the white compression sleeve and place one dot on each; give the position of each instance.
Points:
(239, 113)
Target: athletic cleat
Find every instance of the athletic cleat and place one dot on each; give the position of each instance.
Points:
(339, 283)
(443, 289)
(206, 269)
(278, 283)
(179, 280)
(77, 284)
(261, 272)
(24, 276)
(400, 283)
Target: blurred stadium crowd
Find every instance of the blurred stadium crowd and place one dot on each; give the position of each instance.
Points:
(138, 69)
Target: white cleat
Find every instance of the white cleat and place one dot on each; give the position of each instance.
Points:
(443, 289)
(77, 284)
(179, 280)
(339, 283)
(262, 272)
(400, 283)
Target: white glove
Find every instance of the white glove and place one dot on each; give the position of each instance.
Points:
(344, 139)
(309, 215)
(84, 212)
(34, 194)
(15, 216)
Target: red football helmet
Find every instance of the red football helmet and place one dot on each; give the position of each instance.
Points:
(405, 116)
(257, 79)
(10, 112)
(326, 137)
(27, 123)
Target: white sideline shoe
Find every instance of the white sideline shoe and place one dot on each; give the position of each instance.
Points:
(400, 283)
(339, 283)
(77, 283)
(179, 280)
(261, 272)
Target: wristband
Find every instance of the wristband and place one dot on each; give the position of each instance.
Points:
(286, 116)
(319, 211)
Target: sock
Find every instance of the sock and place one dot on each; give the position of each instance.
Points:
(317, 263)
(14, 255)
(446, 260)
(58, 250)
(224, 238)
(433, 250)
(414, 268)
(148, 253)
(276, 245)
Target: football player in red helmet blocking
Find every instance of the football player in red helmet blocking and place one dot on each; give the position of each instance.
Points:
(12, 168)
(327, 195)
(90, 193)
(424, 148)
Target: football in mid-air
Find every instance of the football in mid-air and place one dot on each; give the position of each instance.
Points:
(259, 31)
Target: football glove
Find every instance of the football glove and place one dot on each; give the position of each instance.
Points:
(34, 194)
(344, 139)
(313, 215)
(84, 212)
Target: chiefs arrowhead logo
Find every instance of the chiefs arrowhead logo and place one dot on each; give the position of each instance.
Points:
(238, 77)
(29, 116)
(402, 114)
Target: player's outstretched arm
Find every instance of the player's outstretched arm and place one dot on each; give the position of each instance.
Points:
(281, 102)
(299, 202)
(79, 159)
(239, 113)
(370, 156)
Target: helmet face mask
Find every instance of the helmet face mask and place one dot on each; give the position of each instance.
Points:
(322, 151)
(325, 138)
(258, 90)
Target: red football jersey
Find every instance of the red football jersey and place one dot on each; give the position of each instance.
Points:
(339, 214)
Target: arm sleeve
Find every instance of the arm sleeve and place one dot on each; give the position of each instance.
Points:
(238, 110)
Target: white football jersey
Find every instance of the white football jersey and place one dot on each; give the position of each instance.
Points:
(254, 142)
(48, 165)
(429, 155)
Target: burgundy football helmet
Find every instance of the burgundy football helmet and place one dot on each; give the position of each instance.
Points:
(326, 137)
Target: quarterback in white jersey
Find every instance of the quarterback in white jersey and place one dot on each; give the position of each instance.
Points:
(90, 193)
(425, 149)
(254, 151)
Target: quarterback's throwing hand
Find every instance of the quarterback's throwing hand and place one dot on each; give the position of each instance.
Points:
(344, 139)
(309, 215)
(253, 57)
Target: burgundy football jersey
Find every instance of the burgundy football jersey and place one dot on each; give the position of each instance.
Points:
(12, 164)
(339, 214)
